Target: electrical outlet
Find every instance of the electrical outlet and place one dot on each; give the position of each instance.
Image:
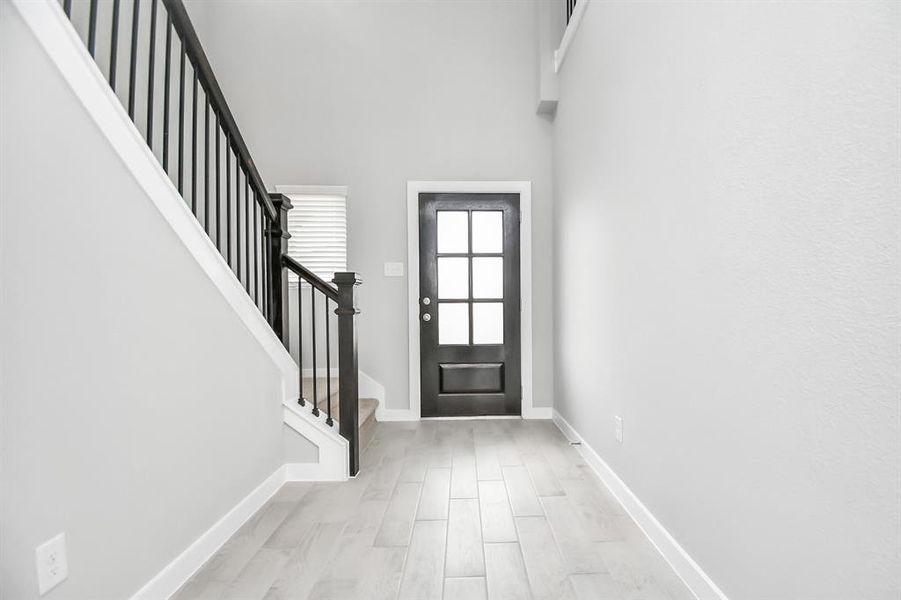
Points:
(618, 429)
(53, 566)
(394, 269)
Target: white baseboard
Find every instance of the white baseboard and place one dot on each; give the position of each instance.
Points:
(538, 412)
(678, 559)
(310, 472)
(394, 414)
(179, 571)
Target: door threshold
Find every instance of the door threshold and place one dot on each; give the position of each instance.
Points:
(473, 418)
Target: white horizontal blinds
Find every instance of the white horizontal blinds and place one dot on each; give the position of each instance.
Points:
(318, 228)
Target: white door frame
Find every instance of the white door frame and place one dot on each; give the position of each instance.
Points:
(524, 189)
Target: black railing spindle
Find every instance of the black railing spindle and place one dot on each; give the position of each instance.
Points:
(218, 182)
(194, 146)
(92, 27)
(300, 400)
(313, 336)
(206, 165)
(167, 73)
(228, 203)
(133, 61)
(151, 74)
(247, 235)
(328, 369)
(114, 44)
(238, 218)
(256, 257)
(181, 122)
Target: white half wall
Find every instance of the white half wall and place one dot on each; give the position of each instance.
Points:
(727, 257)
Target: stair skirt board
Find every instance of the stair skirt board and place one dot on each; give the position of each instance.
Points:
(334, 450)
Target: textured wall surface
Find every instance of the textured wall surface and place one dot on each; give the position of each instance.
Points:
(727, 255)
(373, 94)
(137, 409)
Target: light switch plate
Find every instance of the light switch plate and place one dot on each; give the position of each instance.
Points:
(394, 269)
(52, 563)
(618, 428)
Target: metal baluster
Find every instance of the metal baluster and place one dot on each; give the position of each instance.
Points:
(247, 234)
(313, 325)
(267, 274)
(238, 216)
(206, 164)
(151, 73)
(114, 45)
(92, 27)
(218, 182)
(228, 204)
(194, 146)
(167, 75)
(67, 7)
(300, 400)
(133, 72)
(181, 121)
(328, 369)
(266, 265)
(256, 258)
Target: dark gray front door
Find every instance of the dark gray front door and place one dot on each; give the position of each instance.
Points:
(469, 304)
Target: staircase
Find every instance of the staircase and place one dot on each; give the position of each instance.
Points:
(319, 387)
(149, 53)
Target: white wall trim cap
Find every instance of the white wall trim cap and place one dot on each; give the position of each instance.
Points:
(672, 552)
(575, 19)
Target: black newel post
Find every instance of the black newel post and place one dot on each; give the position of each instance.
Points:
(348, 375)
(278, 238)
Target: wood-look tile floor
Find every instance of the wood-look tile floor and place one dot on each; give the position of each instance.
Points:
(460, 510)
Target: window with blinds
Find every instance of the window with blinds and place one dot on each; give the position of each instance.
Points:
(318, 228)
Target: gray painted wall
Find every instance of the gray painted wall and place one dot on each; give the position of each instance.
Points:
(727, 255)
(373, 94)
(136, 408)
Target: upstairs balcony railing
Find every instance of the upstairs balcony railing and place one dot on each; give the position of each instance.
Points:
(152, 58)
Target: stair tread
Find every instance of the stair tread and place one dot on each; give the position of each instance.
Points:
(367, 405)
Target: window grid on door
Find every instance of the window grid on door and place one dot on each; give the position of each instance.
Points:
(470, 274)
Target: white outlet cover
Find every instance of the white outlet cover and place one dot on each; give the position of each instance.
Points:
(52, 563)
(618, 429)
(394, 269)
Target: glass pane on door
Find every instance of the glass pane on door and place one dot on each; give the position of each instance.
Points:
(488, 277)
(453, 278)
(488, 323)
(453, 323)
(453, 231)
(487, 231)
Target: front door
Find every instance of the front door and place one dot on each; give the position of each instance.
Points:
(469, 304)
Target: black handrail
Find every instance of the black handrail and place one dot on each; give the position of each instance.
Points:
(182, 24)
(310, 277)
